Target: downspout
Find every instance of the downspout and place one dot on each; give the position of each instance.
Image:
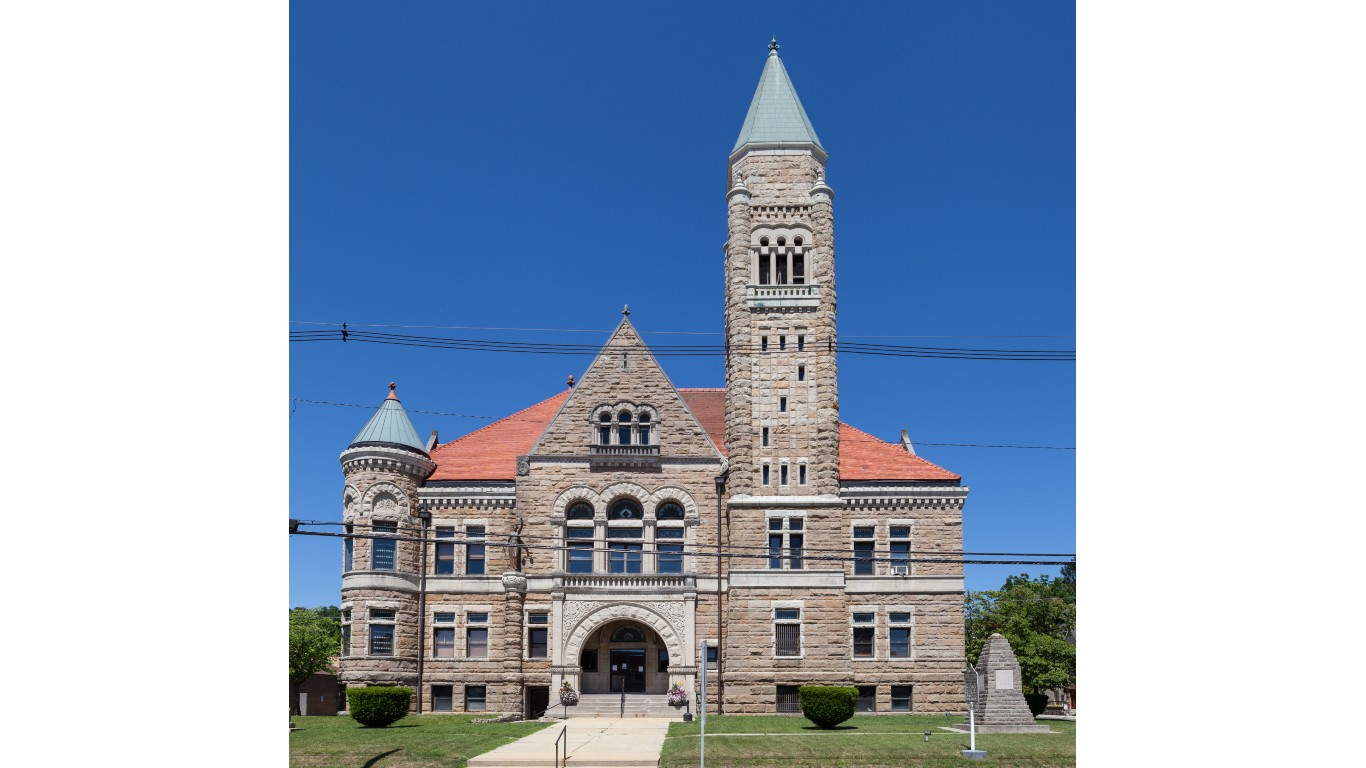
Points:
(426, 518)
(720, 625)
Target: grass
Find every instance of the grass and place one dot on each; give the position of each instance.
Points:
(872, 741)
(428, 741)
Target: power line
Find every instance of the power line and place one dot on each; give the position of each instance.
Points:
(676, 333)
(682, 350)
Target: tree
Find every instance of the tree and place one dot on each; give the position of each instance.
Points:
(314, 639)
(1038, 617)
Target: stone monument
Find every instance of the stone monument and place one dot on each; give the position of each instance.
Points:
(1000, 704)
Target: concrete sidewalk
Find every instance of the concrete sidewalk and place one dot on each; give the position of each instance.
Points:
(592, 743)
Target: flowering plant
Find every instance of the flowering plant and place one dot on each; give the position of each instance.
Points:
(677, 696)
(567, 693)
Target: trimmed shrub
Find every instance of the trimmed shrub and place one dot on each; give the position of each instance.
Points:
(827, 705)
(378, 706)
(1037, 702)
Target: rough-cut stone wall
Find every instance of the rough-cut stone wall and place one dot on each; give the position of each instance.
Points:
(625, 371)
(779, 193)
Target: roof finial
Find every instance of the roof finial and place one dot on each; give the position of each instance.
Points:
(773, 46)
(626, 311)
(392, 396)
(571, 381)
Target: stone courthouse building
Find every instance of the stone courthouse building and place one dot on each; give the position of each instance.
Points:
(601, 536)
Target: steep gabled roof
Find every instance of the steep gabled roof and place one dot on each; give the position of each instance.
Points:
(864, 457)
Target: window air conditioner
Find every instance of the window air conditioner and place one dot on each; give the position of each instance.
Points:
(901, 570)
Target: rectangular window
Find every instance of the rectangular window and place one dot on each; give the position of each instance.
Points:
(711, 655)
(787, 632)
(801, 474)
(782, 343)
(477, 642)
(763, 343)
(798, 269)
(801, 373)
(899, 633)
(443, 641)
(782, 405)
(785, 539)
(623, 435)
(442, 698)
(863, 550)
(663, 660)
(384, 549)
(782, 270)
(901, 698)
(445, 550)
(863, 635)
(801, 343)
(348, 549)
(537, 643)
(867, 699)
(763, 270)
(782, 474)
(476, 698)
(900, 548)
(589, 659)
(580, 543)
(670, 550)
(764, 473)
(623, 556)
(605, 435)
(788, 699)
(763, 439)
(381, 636)
(643, 435)
(474, 551)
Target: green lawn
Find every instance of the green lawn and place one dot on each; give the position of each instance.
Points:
(426, 741)
(872, 741)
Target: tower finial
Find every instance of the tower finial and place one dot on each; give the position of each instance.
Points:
(626, 310)
(773, 46)
(392, 395)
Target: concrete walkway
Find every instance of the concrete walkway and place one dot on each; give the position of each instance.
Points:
(593, 743)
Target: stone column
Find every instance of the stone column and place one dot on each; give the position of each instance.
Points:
(514, 598)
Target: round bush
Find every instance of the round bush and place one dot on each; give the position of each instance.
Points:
(1037, 702)
(378, 706)
(827, 705)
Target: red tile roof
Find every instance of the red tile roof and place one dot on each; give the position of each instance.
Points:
(491, 453)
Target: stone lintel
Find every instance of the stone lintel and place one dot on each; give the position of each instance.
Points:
(931, 585)
(767, 579)
(785, 502)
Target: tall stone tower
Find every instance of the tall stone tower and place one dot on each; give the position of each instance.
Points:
(782, 397)
(383, 467)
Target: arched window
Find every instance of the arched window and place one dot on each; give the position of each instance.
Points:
(643, 431)
(628, 633)
(581, 510)
(669, 510)
(624, 509)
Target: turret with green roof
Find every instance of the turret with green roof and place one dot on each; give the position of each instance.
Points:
(390, 427)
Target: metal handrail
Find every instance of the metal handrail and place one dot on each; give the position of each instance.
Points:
(623, 698)
(559, 763)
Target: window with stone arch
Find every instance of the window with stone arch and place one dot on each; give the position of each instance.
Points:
(625, 424)
(625, 536)
(669, 537)
(781, 256)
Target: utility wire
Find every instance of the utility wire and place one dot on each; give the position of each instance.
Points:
(677, 333)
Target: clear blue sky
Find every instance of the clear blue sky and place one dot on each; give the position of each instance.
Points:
(539, 165)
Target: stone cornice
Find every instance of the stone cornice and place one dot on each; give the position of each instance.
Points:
(382, 457)
(908, 496)
(483, 496)
(784, 502)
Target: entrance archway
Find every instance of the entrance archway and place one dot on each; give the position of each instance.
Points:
(624, 647)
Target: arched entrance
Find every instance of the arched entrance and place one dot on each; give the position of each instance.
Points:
(624, 655)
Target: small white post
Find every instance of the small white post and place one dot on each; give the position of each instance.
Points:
(972, 728)
(702, 706)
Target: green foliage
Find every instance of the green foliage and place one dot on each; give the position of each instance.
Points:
(1037, 702)
(378, 706)
(827, 705)
(1038, 617)
(314, 638)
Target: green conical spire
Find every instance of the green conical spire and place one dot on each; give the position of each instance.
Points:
(390, 426)
(775, 115)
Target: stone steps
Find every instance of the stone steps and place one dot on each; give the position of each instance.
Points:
(609, 705)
